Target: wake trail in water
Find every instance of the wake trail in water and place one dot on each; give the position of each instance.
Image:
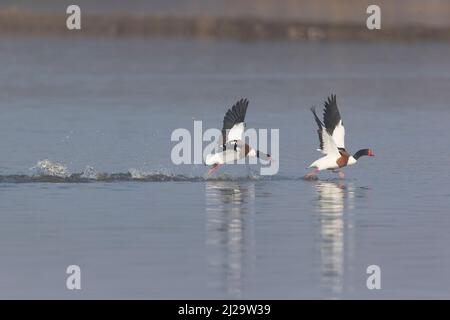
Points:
(102, 177)
(46, 171)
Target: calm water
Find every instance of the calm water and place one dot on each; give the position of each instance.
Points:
(109, 106)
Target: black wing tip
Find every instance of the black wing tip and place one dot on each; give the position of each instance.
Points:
(235, 114)
(330, 100)
(242, 103)
(313, 110)
(331, 115)
(319, 123)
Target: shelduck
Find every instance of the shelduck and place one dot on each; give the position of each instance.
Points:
(232, 144)
(332, 142)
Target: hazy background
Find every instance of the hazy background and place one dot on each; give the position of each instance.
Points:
(431, 13)
(262, 19)
(79, 106)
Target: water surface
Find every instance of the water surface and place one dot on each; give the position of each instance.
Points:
(156, 230)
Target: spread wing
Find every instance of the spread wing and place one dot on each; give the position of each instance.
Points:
(233, 122)
(333, 122)
(327, 144)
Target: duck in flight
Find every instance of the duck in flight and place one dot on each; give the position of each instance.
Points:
(332, 142)
(232, 144)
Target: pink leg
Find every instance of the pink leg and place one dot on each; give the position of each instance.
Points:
(213, 168)
(312, 174)
(341, 174)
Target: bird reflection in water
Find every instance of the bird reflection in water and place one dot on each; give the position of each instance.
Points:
(334, 204)
(229, 232)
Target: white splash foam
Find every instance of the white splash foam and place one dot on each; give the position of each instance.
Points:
(89, 173)
(142, 174)
(137, 174)
(48, 168)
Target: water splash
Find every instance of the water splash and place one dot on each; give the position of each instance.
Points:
(89, 173)
(49, 168)
(46, 171)
(144, 174)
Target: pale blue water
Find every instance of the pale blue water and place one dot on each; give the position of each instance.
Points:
(112, 104)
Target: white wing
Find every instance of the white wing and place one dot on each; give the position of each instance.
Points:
(236, 132)
(333, 121)
(329, 146)
(339, 135)
(327, 143)
(233, 122)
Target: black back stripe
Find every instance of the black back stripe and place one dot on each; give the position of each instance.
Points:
(320, 125)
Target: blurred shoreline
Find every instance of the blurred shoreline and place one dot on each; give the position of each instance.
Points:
(27, 23)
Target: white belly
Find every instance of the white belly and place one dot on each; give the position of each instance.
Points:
(324, 163)
(351, 161)
(228, 156)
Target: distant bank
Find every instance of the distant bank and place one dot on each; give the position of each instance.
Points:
(20, 22)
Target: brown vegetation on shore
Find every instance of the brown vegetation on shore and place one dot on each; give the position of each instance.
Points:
(14, 22)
